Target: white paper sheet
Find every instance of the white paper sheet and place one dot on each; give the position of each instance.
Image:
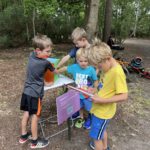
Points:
(62, 80)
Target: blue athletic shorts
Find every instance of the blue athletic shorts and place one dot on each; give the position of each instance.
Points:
(86, 104)
(98, 127)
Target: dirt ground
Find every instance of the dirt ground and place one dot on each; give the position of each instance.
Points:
(128, 130)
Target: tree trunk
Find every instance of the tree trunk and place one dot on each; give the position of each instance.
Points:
(33, 22)
(92, 19)
(107, 20)
(136, 18)
(87, 10)
(27, 31)
(27, 28)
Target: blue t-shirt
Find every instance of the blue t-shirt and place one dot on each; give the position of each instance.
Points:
(84, 77)
(73, 52)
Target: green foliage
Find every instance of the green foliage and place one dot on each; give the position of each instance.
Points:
(124, 18)
(4, 41)
(12, 25)
(57, 19)
(143, 28)
(101, 18)
(43, 8)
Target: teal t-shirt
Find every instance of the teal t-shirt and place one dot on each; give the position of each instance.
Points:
(84, 77)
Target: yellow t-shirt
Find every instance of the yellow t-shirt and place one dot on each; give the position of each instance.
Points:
(114, 82)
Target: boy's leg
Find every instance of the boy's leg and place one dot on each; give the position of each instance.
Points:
(24, 134)
(87, 107)
(79, 122)
(36, 142)
(34, 126)
(81, 113)
(87, 123)
(24, 123)
(24, 106)
(98, 133)
(98, 145)
(105, 140)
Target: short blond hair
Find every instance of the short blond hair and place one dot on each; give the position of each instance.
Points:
(78, 33)
(41, 41)
(98, 52)
(81, 53)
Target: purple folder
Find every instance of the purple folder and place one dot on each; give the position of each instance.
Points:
(67, 104)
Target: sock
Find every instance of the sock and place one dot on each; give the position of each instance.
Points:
(89, 116)
(34, 142)
(25, 135)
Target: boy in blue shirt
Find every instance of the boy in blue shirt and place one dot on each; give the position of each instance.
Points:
(79, 38)
(83, 75)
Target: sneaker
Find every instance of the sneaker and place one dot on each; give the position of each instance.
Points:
(79, 123)
(91, 144)
(93, 147)
(75, 116)
(24, 138)
(87, 123)
(41, 143)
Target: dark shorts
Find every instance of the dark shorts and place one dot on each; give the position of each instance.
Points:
(31, 104)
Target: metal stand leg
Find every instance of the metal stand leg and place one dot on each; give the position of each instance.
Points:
(69, 126)
(43, 133)
(69, 129)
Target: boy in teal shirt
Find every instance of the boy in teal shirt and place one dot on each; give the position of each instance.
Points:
(83, 75)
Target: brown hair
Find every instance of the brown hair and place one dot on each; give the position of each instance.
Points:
(41, 41)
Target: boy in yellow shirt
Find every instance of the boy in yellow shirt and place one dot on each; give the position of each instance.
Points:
(114, 90)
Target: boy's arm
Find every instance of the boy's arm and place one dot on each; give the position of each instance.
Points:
(56, 71)
(97, 71)
(93, 90)
(115, 98)
(63, 60)
(62, 69)
(96, 84)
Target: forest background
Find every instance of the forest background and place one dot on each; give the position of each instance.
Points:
(20, 20)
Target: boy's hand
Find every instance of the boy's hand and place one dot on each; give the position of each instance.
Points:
(61, 70)
(56, 71)
(48, 83)
(92, 90)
